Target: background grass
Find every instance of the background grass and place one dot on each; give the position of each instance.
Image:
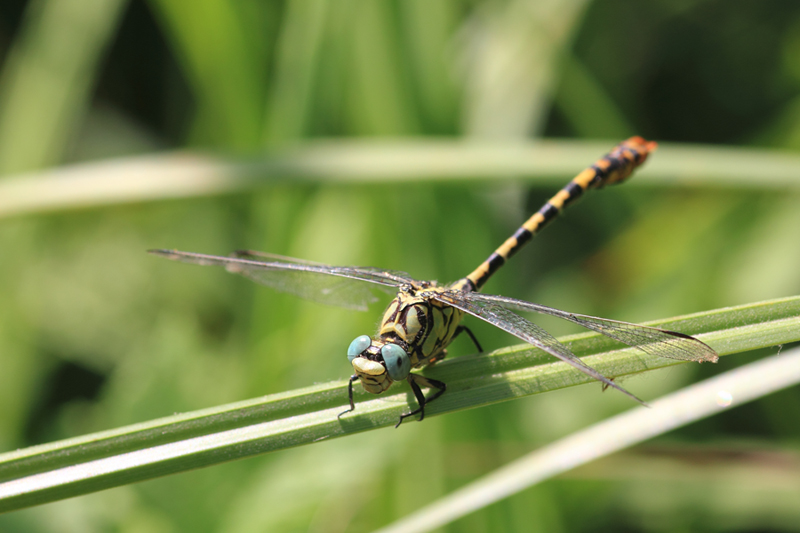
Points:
(95, 334)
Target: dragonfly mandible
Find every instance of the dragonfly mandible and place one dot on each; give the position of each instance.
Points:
(424, 318)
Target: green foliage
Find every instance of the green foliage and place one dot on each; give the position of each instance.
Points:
(175, 444)
(96, 335)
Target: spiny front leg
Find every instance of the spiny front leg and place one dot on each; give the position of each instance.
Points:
(415, 381)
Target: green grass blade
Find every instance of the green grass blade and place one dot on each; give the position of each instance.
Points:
(178, 443)
(586, 105)
(213, 42)
(186, 174)
(290, 101)
(692, 403)
(46, 83)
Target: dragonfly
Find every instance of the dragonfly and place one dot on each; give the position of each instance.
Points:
(424, 317)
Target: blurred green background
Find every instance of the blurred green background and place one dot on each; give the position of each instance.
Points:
(95, 334)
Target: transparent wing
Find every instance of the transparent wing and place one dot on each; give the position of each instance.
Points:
(331, 285)
(387, 278)
(523, 329)
(654, 341)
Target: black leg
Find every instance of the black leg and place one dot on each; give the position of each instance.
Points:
(415, 381)
(420, 401)
(459, 329)
(350, 395)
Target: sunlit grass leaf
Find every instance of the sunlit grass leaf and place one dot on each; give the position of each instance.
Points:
(151, 449)
(182, 174)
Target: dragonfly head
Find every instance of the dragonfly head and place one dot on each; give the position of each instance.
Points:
(378, 363)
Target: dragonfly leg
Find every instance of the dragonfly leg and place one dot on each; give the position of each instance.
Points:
(415, 381)
(459, 329)
(353, 378)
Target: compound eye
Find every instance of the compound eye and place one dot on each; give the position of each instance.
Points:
(398, 364)
(358, 346)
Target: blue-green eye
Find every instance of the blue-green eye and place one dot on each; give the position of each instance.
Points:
(398, 364)
(357, 346)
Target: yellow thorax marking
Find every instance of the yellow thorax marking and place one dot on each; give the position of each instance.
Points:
(408, 313)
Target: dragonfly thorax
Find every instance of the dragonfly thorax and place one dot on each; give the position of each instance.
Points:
(414, 332)
(419, 323)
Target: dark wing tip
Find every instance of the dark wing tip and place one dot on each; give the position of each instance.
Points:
(185, 257)
(703, 352)
(162, 252)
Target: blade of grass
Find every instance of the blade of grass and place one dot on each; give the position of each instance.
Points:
(511, 54)
(214, 43)
(47, 81)
(586, 104)
(692, 403)
(68, 468)
(186, 174)
(289, 100)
